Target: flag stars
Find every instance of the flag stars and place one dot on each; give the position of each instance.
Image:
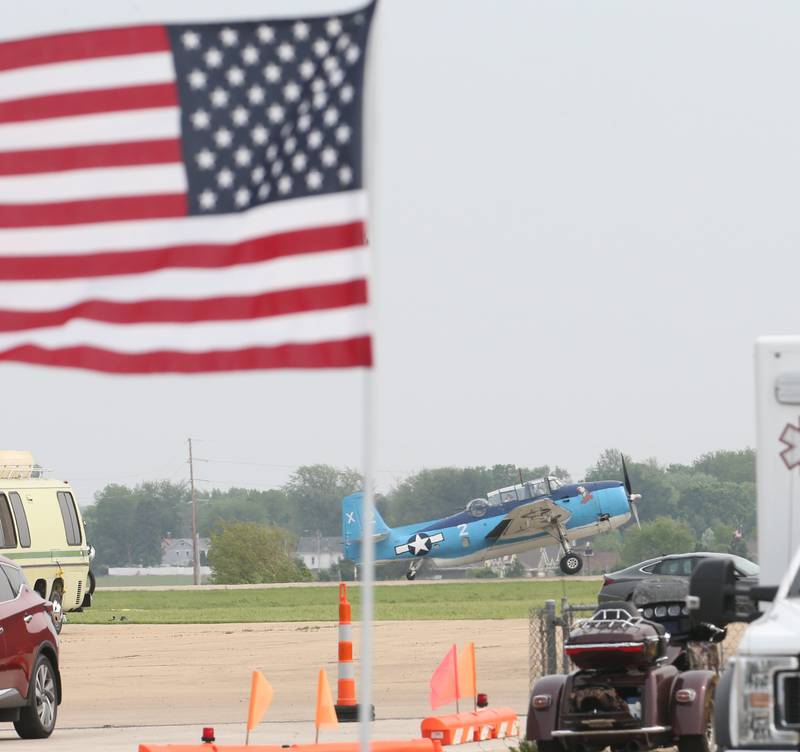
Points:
(345, 175)
(277, 168)
(284, 184)
(328, 156)
(219, 97)
(330, 64)
(250, 55)
(197, 79)
(333, 27)
(346, 93)
(285, 52)
(343, 42)
(304, 122)
(213, 58)
(225, 178)
(229, 37)
(263, 191)
(275, 113)
(343, 133)
(314, 139)
(200, 119)
(331, 116)
(352, 54)
(290, 145)
(321, 47)
(291, 91)
(320, 100)
(242, 197)
(240, 116)
(299, 162)
(259, 134)
(314, 179)
(243, 156)
(300, 31)
(255, 94)
(190, 40)
(223, 138)
(207, 199)
(307, 69)
(271, 152)
(336, 77)
(258, 174)
(272, 73)
(205, 159)
(235, 76)
(265, 34)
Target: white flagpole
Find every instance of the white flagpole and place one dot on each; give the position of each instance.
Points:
(368, 508)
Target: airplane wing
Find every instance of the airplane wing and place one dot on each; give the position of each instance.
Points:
(527, 519)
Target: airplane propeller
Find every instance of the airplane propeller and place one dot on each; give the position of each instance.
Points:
(633, 498)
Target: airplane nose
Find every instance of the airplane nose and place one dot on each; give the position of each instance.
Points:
(633, 498)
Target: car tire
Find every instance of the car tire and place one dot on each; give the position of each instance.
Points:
(57, 614)
(38, 718)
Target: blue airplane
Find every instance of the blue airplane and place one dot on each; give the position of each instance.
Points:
(508, 521)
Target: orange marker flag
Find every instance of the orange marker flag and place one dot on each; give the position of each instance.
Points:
(260, 699)
(326, 712)
(467, 682)
(444, 682)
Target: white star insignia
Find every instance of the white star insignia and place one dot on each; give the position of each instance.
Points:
(225, 178)
(265, 34)
(333, 27)
(207, 199)
(250, 55)
(229, 37)
(197, 79)
(213, 58)
(418, 544)
(190, 39)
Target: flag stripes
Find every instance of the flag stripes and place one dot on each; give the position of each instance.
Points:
(103, 263)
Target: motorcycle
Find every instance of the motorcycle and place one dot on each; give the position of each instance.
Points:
(645, 678)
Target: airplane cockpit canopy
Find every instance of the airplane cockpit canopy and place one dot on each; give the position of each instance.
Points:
(530, 489)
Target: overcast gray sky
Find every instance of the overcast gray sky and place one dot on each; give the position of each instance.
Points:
(585, 214)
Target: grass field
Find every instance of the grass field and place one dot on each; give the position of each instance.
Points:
(143, 580)
(510, 599)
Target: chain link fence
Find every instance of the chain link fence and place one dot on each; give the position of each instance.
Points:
(548, 629)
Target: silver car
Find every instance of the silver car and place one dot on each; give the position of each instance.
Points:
(619, 586)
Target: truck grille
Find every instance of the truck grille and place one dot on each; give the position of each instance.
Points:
(788, 709)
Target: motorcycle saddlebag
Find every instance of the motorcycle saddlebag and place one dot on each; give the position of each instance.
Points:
(615, 643)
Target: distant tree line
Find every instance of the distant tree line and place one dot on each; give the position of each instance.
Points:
(708, 505)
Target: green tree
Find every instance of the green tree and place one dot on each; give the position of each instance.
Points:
(243, 505)
(663, 535)
(246, 552)
(733, 466)
(314, 494)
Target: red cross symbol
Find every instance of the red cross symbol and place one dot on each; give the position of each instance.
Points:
(791, 437)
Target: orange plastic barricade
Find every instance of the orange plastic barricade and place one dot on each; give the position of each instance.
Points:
(409, 745)
(461, 728)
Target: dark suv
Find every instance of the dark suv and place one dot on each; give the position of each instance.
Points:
(30, 682)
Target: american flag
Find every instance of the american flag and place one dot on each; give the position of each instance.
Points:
(185, 198)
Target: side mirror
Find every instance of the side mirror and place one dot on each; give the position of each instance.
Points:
(712, 593)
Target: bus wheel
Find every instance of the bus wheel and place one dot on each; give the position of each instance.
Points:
(56, 598)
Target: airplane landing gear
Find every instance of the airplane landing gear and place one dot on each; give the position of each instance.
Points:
(571, 563)
(413, 568)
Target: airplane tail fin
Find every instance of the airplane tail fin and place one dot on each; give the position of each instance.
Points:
(352, 530)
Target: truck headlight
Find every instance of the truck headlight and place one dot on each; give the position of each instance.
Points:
(757, 711)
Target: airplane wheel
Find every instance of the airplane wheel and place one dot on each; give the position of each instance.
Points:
(410, 575)
(571, 563)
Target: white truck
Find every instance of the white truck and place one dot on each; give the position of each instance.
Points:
(757, 702)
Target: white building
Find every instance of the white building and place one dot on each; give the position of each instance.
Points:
(319, 552)
(177, 552)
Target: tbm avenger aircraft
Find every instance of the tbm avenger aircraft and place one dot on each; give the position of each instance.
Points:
(508, 521)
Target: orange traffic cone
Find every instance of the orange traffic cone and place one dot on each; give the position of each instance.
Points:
(346, 703)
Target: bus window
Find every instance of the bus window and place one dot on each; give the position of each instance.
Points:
(9, 538)
(22, 520)
(70, 517)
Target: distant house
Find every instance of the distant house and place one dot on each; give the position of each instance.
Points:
(177, 552)
(319, 552)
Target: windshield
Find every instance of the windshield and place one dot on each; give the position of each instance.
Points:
(747, 568)
(555, 483)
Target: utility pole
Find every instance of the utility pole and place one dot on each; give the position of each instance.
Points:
(195, 546)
